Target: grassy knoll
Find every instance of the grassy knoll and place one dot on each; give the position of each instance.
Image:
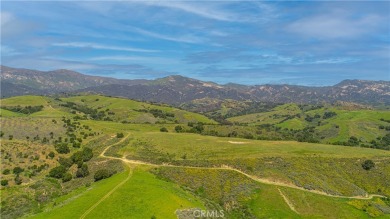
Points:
(131, 111)
(78, 204)
(29, 127)
(136, 130)
(242, 198)
(31, 157)
(209, 147)
(7, 113)
(278, 114)
(24, 101)
(142, 196)
(363, 124)
(332, 169)
(337, 127)
(50, 107)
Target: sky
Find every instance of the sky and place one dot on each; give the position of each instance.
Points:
(314, 43)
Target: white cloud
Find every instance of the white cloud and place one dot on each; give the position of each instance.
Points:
(12, 27)
(8, 51)
(200, 9)
(188, 38)
(6, 17)
(99, 46)
(334, 25)
(138, 59)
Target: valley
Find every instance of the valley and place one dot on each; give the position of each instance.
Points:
(94, 155)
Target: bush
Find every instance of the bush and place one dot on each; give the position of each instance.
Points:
(368, 164)
(6, 171)
(62, 148)
(4, 182)
(82, 156)
(83, 171)
(120, 135)
(51, 154)
(163, 129)
(102, 174)
(179, 128)
(67, 177)
(66, 162)
(18, 180)
(17, 170)
(328, 115)
(57, 172)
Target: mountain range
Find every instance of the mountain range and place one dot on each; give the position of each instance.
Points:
(177, 90)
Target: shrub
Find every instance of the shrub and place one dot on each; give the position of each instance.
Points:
(6, 171)
(67, 177)
(83, 171)
(57, 172)
(120, 135)
(102, 174)
(328, 115)
(4, 182)
(179, 128)
(82, 156)
(368, 164)
(163, 129)
(62, 148)
(17, 170)
(18, 180)
(51, 154)
(66, 162)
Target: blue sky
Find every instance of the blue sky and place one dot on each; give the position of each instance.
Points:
(250, 42)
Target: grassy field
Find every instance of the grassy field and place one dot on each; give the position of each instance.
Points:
(141, 196)
(129, 110)
(24, 101)
(274, 116)
(209, 147)
(198, 176)
(361, 123)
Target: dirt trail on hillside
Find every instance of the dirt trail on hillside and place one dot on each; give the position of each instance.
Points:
(108, 194)
(288, 201)
(225, 167)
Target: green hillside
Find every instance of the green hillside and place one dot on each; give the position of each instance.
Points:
(327, 124)
(124, 110)
(100, 157)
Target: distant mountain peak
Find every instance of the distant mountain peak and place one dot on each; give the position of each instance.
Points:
(177, 89)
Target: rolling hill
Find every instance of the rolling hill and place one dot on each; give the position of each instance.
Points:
(92, 156)
(176, 90)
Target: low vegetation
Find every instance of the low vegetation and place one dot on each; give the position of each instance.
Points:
(51, 151)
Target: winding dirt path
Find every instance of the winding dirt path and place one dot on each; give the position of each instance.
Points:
(108, 194)
(116, 187)
(288, 201)
(225, 167)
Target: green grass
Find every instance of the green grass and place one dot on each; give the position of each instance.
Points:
(310, 205)
(24, 101)
(361, 123)
(278, 114)
(209, 147)
(80, 203)
(333, 169)
(7, 113)
(142, 196)
(293, 124)
(125, 109)
(243, 196)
